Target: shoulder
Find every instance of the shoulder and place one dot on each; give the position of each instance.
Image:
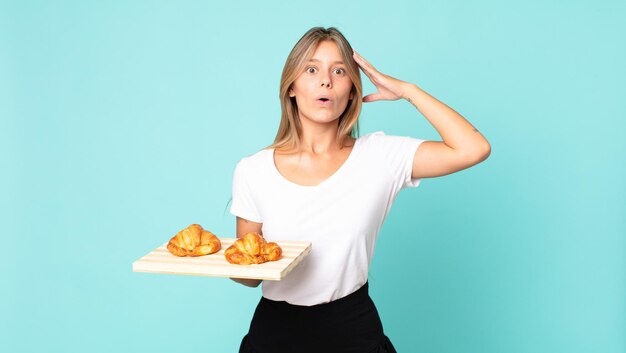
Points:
(379, 138)
(255, 159)
(372, 136)
(389, 148)
(256, 162)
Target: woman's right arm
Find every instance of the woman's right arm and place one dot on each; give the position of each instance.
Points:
(245, 226)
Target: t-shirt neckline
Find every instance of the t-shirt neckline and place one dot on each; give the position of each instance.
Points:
(333, 176)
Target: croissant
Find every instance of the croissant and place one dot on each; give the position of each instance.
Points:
(194, 241)
(252, 249)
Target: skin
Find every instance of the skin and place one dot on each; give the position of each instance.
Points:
(320, 156)
(462, 145)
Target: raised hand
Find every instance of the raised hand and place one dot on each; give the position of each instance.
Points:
(388, 88)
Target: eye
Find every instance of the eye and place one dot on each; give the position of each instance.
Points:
(340, 71)
(311, 69)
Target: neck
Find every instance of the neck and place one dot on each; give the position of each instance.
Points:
(319, 138)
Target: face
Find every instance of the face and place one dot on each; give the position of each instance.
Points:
(322, 91)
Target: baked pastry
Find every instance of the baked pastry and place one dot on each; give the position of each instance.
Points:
(194, 241)
(252, 249)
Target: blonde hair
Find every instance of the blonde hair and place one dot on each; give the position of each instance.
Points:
(290, 129)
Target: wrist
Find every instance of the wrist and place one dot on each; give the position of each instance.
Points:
(409, 92)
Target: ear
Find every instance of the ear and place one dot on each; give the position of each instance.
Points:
(291, 94)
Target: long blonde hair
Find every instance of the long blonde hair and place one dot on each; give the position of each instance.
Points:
(290, 130)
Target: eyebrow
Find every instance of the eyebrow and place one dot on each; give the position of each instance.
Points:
(334, 62)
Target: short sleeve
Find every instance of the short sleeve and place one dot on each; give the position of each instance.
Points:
(243, 204)
(410, 146)
(398, 153)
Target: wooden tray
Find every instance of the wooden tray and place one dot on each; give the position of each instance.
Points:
(162, 261)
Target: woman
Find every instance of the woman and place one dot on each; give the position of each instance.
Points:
(321, 183)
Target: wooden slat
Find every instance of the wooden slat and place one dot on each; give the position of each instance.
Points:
(161, 260)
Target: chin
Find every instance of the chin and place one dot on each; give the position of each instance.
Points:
(325, 121)
(320, 116)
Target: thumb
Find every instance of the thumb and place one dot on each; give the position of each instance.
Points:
(372, 97)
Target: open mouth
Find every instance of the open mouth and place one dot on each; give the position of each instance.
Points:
(324, 99)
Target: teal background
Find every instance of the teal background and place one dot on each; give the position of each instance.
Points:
(122, 121)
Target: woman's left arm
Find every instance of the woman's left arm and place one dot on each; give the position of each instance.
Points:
(463, 145)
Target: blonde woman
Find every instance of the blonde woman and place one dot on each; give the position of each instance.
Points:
(319, 181)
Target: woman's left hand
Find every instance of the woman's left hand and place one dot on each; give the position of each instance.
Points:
(389, 88)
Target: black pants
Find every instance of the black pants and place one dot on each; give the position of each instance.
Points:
(347, 325)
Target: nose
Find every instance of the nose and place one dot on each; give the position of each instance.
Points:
(326, 81)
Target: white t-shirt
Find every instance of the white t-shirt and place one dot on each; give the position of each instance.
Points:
(340, 216)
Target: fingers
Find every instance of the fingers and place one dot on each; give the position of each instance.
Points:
(372, 97)
(367, 68)
(381, 81)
